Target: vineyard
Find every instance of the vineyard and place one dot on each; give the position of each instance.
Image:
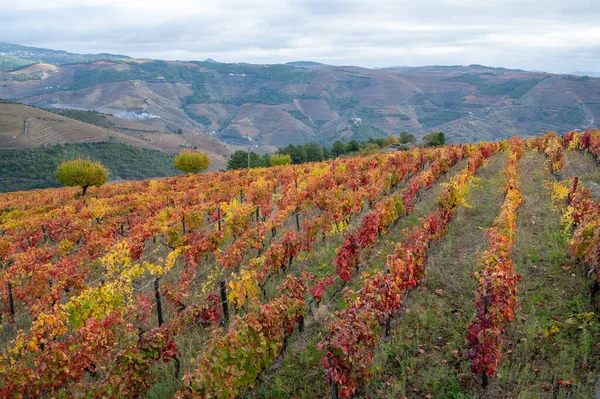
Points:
(460, 271)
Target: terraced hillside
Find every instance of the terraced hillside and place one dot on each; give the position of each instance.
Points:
(464, 271)
(24, 127)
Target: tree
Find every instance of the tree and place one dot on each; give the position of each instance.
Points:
(280, 159)
(391, 139)
(239, 160)
(82, 173)
(370, 148)
(297, 153)
(191, 161)
(434, 139)
(407, 138)
(266, 160)
(353, 146)
(326, 154)
(338, 148)
(314, 152)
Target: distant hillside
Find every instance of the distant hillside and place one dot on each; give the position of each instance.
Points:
(24, 126)
(57, 57)
(8, 63)
(34, 167)
(305, 64)
(274, 105)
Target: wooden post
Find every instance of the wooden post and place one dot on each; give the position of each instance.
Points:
(334, 390)
(301, 324)
(177, 366)
(11, 303)
(183, 224)
(484, 376)
(486, 304)
(158, 302)
(241, 195)
(219, 217)
(257, 213)
(224, 302)
(388, 326)
(297, 221)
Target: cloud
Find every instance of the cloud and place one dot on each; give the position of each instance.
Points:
(552, 35)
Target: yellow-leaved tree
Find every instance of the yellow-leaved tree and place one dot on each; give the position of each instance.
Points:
(280, 159)
(82, 173)
(191, 161)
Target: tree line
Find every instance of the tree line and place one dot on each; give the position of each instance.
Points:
(313, 152)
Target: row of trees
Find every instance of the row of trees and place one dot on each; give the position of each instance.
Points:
(313, 152)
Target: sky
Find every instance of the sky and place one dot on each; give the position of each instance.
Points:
(547, 35)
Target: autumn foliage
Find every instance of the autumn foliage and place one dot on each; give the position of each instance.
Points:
(82, 173)
(83, 273)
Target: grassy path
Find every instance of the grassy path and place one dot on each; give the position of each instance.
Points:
(554, 337)
(299, 373)
(424, 353)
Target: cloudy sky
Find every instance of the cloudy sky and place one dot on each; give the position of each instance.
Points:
(549, 35)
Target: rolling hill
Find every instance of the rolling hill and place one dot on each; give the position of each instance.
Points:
(273, 105)
(23, 126)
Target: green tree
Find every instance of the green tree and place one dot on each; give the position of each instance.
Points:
(239, 160)
(266, 160)
(82, 173)
(280, 159)
(338, 148)
(353, 146)
(297, 153)
(191, 161)
(314, 152)
(370, 148)
(326, 154)
(407, 138)
(434, 139)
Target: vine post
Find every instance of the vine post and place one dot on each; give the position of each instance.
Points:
(11, 303)
(158, 301)
(219, 217)
(224, 302)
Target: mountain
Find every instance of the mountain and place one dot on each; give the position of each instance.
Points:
(57, 57)
(271, 106)
(586, 73)
(305, 64)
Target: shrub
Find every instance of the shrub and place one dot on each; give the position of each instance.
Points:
(434, 139)
(280, 159)
(82, 173)
(191, 161)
